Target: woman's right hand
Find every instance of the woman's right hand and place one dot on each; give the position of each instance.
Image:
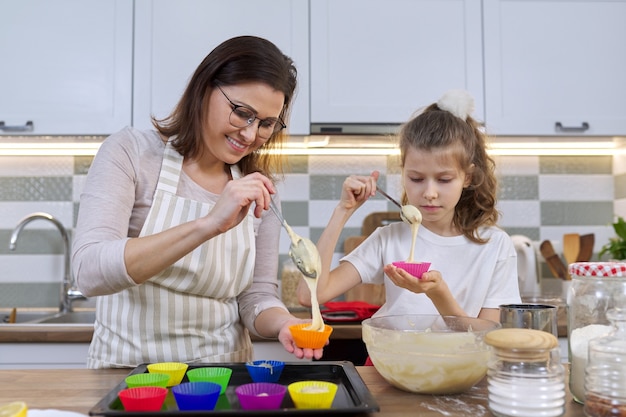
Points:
(236, 199)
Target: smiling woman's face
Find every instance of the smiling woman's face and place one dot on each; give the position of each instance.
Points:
(228, 143)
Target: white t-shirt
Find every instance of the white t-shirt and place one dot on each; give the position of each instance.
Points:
(479, 276)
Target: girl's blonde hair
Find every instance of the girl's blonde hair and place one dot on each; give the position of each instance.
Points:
(437, 129)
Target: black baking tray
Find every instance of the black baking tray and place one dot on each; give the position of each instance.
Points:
(352, 396)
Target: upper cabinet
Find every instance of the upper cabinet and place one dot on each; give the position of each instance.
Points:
(555, 67)
(172, 37)
(377, 62)
(66, 66)
(534, 67)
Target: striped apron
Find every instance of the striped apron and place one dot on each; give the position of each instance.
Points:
(188, 312)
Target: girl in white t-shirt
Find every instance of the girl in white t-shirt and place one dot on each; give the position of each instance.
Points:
(448, 176)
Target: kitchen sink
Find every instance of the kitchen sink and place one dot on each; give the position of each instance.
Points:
(46, 316)
(24, 316)
(74, 317)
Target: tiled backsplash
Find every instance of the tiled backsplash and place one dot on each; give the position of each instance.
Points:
(540, 197)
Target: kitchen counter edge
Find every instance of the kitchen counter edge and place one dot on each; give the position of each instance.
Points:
(83, 333)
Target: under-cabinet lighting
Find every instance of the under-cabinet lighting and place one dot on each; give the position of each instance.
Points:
(557, 148)
(354, 145)
(340, 151)
(50, 145)
(334, 145)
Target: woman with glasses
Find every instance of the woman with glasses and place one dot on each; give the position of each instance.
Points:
(174, 235)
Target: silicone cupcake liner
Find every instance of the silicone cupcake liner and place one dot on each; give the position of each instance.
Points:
(312, 394)
(176, 371)
(143, 398)
(414, 268)
(196, 395)
(147, 380)
(265, 371)
(310, 338)
(260, 395)
(217, 375)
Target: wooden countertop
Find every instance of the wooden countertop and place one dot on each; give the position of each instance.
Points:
(80, 389)
(46, 333)
(33, 333)
(43, 333)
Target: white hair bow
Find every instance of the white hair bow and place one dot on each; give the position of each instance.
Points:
(458, 102)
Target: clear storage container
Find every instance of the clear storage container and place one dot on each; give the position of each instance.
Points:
(525, 377)
(605, 374)
(289, 279)
(597, 287)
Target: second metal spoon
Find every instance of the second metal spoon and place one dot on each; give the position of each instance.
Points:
(403, 209)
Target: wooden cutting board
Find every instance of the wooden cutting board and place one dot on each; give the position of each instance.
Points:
(370, 293)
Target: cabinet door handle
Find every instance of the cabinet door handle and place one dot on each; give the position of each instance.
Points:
(29, 126)
(558, 126)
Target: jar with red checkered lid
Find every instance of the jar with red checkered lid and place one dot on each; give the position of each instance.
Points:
(597, 287)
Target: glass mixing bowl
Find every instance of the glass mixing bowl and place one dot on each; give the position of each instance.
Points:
(429, 354)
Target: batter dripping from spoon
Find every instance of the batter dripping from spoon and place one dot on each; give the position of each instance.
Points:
(415, 216)
(410, 215)
(305, 255)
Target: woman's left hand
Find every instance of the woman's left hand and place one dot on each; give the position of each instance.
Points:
(285, 337)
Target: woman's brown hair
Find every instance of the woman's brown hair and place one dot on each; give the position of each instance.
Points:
(437, 129)
(238, 60)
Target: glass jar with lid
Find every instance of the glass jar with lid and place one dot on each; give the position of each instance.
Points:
(605, 390)
(289, 280)
(597, 287)
(525, 364)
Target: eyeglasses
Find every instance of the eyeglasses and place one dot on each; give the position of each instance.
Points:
(242, 116)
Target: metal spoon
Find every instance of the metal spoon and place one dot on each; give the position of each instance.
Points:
(302, 251)
(409, 214)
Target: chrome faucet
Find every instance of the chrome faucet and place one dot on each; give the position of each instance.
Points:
(69, 292)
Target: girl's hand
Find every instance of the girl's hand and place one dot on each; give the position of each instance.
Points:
(357, 189)
(432, 284)
(238, 196)
(285, 337)
(430, 281)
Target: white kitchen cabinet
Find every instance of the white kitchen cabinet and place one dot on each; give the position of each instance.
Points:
(378, 61)
(172, 37)
(43, 355)
(66, 66)
(555, 67)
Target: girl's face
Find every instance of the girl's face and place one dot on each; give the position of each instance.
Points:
(226, 142)
(433, 182)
